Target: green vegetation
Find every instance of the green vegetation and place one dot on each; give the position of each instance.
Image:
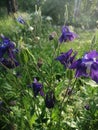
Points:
(73, 101)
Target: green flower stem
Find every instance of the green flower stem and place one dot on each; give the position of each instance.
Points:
(61, 106)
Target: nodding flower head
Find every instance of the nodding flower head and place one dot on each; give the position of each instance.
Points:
(37, 88)
(6, 46)
(7, 42)
(9, 63)
(66, 59)
(50, 99)
(87, 65)
(67, 35)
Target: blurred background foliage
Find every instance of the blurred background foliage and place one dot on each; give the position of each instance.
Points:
(79, 13)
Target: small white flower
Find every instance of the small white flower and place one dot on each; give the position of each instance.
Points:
(48, 18)
(38, 38)
(1, 35)
(31, 28)
(97, 21)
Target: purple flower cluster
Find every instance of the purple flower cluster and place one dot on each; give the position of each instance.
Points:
(38, 89)
(67, 35)
(7, 53)
(86, 66)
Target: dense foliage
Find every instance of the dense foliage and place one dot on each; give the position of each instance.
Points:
(48, 73)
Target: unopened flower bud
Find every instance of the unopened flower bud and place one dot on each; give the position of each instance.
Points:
(39, 63)
(52, 35)
(87, 107)
(50, 100)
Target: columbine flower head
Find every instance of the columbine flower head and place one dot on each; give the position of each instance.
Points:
(87, 65)
(66, 59)
(6, 45)
(50, 100)
(20, 20)
(67, 35)
(9, 63)
(37, 88)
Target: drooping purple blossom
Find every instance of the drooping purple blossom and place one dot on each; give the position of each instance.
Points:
(87, 65)
(37, 88)
(50, 100)
(2, 51)
(9, 63)
(6, 46)
(80, 68)
(66, 59)
(7, 53)
(67, 35)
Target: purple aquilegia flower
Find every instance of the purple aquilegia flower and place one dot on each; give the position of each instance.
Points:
(50, 100)
(9, 63)
(37, 88)
(87, 66)
(80, 68)
(20, 20)
(2, 50)
(8, 47)
(3, 46)
(67, 35)
(66, 59)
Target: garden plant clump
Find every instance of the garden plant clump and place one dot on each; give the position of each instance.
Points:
(48, 75)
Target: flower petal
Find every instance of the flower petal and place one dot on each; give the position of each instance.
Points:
(94, 72)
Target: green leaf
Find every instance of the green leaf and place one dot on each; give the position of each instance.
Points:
(33, 119)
